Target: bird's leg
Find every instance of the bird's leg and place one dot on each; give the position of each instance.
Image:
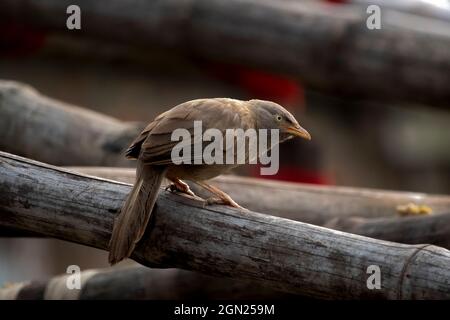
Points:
(180, 186)
(222, 197)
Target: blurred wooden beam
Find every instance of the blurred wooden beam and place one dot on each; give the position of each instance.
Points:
(59, 133)
(279, 253)
(433, 229)
(303, 202)
(328, 47)
(140, 283)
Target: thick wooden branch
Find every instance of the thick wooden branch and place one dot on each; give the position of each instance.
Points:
(434, 229)
(47, 130)
(330, 48)
(283, 254)
(53, 131)
(135, 283)
(323, 205)
(370, 213)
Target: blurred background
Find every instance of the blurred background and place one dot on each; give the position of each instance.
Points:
(391, 132)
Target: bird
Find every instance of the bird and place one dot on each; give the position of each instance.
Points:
(152, 149)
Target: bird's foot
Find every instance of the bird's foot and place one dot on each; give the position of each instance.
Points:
(171, 187)
(181, 187)
(228, 202)
(219, 197)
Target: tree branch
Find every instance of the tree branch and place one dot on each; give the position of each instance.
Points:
(136, 283)
(48, 130)
(433, 229)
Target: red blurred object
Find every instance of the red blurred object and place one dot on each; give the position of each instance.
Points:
(270, 86)
(260, 84)
(337, 1)
(18, 40)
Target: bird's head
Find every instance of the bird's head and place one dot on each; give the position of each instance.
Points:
(270, 115)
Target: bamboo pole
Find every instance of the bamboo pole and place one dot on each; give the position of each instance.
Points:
(371, 213)
(329, 47)
(48, 130)
(342, 208)
(140, 283)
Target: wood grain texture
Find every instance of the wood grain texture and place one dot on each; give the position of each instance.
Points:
(283, 254)
(433, 229)
(329, 47)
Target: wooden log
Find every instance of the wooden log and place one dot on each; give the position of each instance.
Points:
(351, 210)
(279, 253)
(329, 47)
(139, 283)
(44, 129)
(415, 7)
(433, 229)
(59, 133)
(308, 203)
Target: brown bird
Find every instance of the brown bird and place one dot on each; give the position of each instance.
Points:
(153, 148)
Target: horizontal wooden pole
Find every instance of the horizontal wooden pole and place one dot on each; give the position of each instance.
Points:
(279, 253)
(366, 212)
(55, 132)
(138, 283)
(433, 229)
(329, 47)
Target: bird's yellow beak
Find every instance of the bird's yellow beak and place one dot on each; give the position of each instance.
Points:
(299, 132)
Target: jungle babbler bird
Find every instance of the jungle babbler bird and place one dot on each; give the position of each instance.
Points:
(153, 151)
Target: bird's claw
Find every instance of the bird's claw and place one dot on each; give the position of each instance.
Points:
(213, 200)
(226, 202)
(180, 189)
(171, 187)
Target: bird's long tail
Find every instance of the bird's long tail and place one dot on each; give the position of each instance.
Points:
(132, 221)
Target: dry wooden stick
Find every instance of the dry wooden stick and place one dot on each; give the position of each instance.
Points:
(283, 254)
(370, 213)
(52, 131)
(47, 130)
(434, 229)
(318, 205)
(137, 282)
(330, 48)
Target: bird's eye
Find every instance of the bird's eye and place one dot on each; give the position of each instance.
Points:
(278, 117)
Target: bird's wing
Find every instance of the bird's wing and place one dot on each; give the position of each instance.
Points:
(222, 114)
(134, 149)
(179, 112)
